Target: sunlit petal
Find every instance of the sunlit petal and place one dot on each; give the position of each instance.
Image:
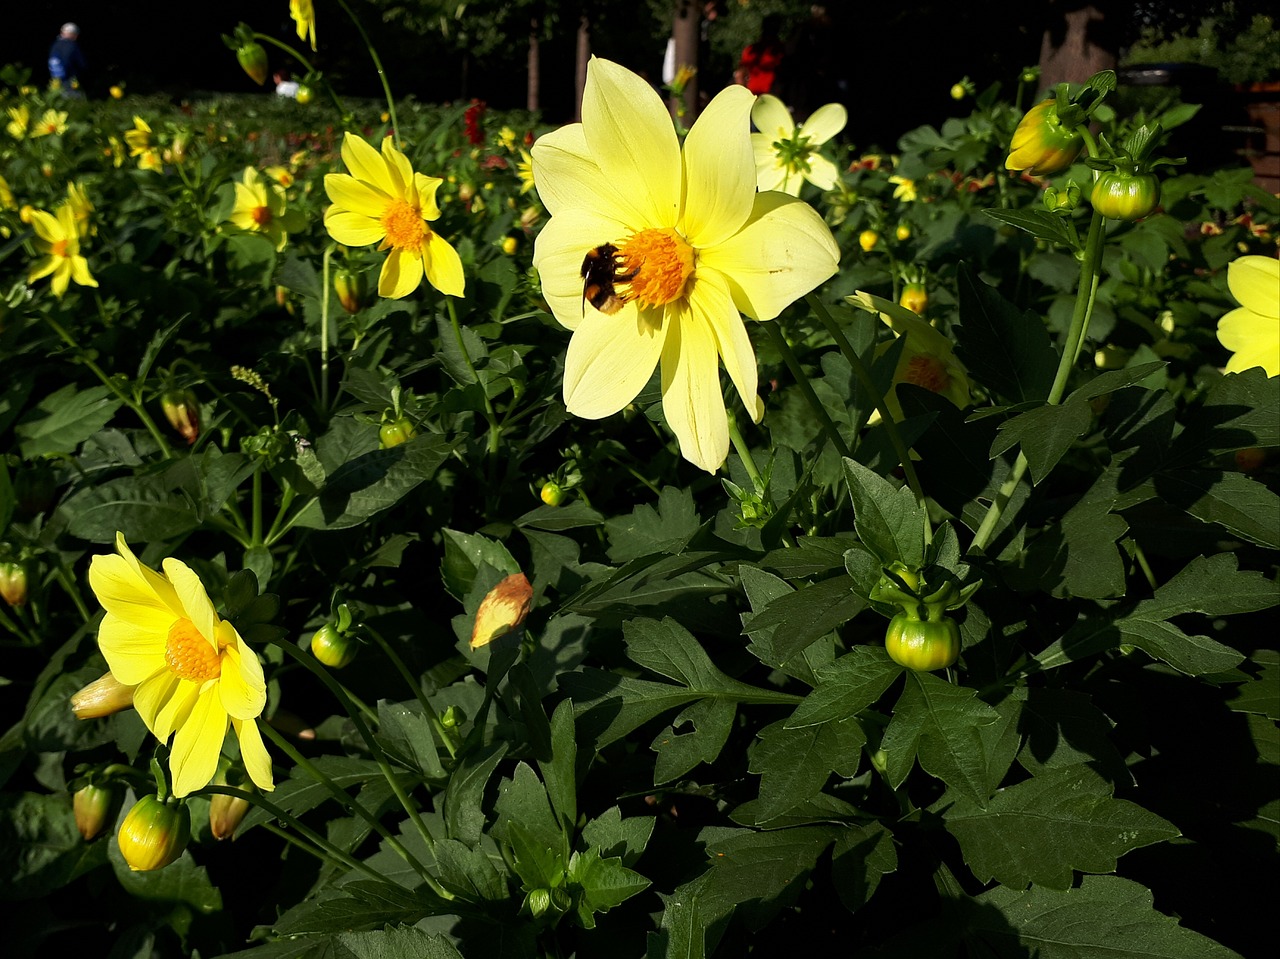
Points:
(197, 745)
(719, 169)
(442, 265)
(352, 194)
(194, 599)
(610, 359)
(691, 399)
(824, 123)
(1255, 283)
(365, 163)
(710, 300)
(558, 252)
(772, 118)
(254, 755)
(353, 229)
(401, 274)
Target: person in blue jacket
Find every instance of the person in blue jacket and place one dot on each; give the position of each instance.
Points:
(66, 62)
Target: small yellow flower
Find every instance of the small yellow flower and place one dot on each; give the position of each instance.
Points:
(58, 237)
(507, 137)
(1252, 331)
(524, 170)
(304, 15)
(905, 189)
(787, 153)
(117, 91)
(282, 175)
(868, 239)
(6, 195)
(260, 208)
(81, 209)
(115, 150)
(53, 121)
(195, 676)
(503, 609)
(19, 121)
(141, 146)
(385, 200)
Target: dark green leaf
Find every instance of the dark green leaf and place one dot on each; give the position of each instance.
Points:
(794, 763)
(709, 722)
(64, 419)
(846, 687)
(1007, 351)
(887, 518)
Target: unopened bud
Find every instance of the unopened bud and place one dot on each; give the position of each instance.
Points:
(352, 289)
(254, 61)
(93, 806)
(13, 583)
(102, 697)
(867, 239)
(914, 297)
(226, 812)
(502, 610)
(552, 493)
(182, 410)
(154, 834)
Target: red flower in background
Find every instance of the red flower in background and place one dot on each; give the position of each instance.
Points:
(472, 120)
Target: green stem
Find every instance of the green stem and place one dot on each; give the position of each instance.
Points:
(69, 585)
(1086, 293)
(416, 686)
(382, 74)
(319, 841)
(309, 68)
(256, 533)
(886, 417)
(744, 452)
(495, 429)
(806, 389)
(324, 333)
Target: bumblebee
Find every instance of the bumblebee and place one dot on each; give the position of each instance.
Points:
(600, 271)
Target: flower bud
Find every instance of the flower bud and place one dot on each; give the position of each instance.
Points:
(502, 610)
(914, 297)
(552, 493)
(352, 289)
(333, 648)
(254, 61)
(117, 91)
(182, 410)
(102, 697)
(13, 583)
(958, 91)
(867, 239)
(226, 812)
(509, 245)
(93, 807)
(305, 95)
(154, 834)
(1041, 145)
(903, 232)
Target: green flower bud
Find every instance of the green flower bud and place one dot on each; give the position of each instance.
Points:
(154, 834)
(93, 806)
(254, 61)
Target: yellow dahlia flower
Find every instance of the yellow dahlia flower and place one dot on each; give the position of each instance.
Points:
(53, 121)
(6, 195)
(1252, 330)
(693, 245)
(194, 674)
(81, 209)
(58, 237)
(304, 15)
(260, 208)
(19, 121)
(384, 200)
(787, 153)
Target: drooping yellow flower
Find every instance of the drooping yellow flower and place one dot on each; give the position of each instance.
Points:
(260, 208)
(51, 122)
(1252, 331)
(503, 609)
(787, 153)
(905, 190)
(58, 238)
(304, 15)
(19, 121)
(692, 246)
(385, 200)
(142, 147)
(81, 210)
(194, 675)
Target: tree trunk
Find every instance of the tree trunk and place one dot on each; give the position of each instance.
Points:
(533, 67)
(584, 54)
(684, 30)
(1079, 44)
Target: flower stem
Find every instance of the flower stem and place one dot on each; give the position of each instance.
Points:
(416, 686)
(793, 364)
(309, 68)
(744, 452)
(495, 428)
(382, 74)
(324, 332)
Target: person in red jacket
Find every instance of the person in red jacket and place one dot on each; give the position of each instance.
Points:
(760, 61)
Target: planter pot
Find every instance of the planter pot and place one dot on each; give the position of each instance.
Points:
(1261, 103)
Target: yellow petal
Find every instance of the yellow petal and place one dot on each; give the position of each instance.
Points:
(443, 266)
(783, 252)
(1255, 283)
(194, 599)
(631, 136)
(691, 399)
(80, 272)
(824, 123)
(353, 229)
(365, 164)
(719, 169)
(254, 755)
(133, 653)
(146, 602)
(399, 167)
(61, 278)
(822, 172)
(1252, 338)
(772, 118)
(770, 172)
(709, 298)
(197, 745)
(43, 268)
(175, 710)
(610, 359)
(401, 274)
(427, 187)
(151, 697)
(46, 226)
(243, 692)
(348, 193)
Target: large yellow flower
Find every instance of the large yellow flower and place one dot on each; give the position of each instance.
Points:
(53, 121)
(193, 672)
(304, 15)
(19, 120)
(260, 208)
(58, 237)
(1252, 331)
(384, 200)
(787, 153)
(696, 246)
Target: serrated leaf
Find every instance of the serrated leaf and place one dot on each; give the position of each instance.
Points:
(666, 529)
(887, 517)
(763, 868)
(1105, 916)
(1041, 830)
(465, 553)
(800, 618)
(860, 857)
(463, 798)
(1039, 223)
(708, 723)
(937, 724)
(1234, 501)
(794, 764)
(406, 734)
(522, 800)
(1006, 350)
(558, 774)
(616, 837)
(64, 419)
(1260, 696)
(846, 687)
(603, 884)
(398, 942)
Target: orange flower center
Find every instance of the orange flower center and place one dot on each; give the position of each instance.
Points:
(926, 371)
(661, 262)
(189, 655)
(261, 215)
(59, 248)
(404, 225)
